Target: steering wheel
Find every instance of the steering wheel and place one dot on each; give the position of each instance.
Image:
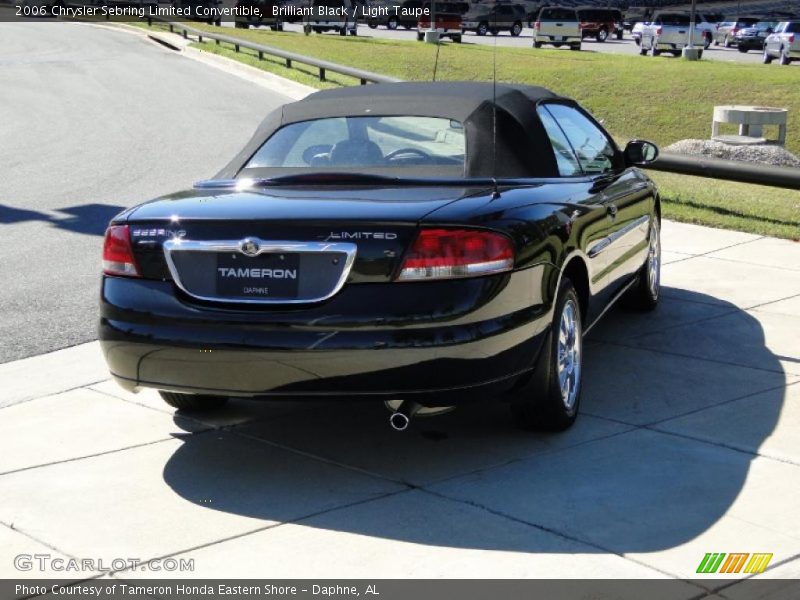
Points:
(401, 151)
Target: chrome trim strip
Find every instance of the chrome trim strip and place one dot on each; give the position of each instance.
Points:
(608, 240)
(264, 247)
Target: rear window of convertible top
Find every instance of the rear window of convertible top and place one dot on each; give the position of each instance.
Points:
(412, 145)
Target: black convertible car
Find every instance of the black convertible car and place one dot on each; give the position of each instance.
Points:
(419, 243)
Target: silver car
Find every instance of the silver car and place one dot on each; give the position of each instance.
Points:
(783, 44)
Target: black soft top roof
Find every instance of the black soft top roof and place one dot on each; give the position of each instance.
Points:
(523, 149)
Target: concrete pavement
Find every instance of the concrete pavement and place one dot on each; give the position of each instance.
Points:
(687, 444)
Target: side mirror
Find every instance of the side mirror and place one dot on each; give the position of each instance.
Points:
(639, 153)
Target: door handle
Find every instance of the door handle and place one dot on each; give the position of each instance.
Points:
(611, 210)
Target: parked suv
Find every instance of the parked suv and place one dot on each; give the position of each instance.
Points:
(447, 17)
(600, 23)
(753, 38)
(557, 26)
(727, 30)
(784, 44)
(266, 10)
(397, 14)
(340, 16)
(494, 18)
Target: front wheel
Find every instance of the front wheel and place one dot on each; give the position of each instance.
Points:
(550, 400)
(767, 59)
(741, 49)
(602, 36)
(707, 41)
(646, 291)
(516, 29)
(392, 23)
(192, 401)
(483, 29)
(537, 44)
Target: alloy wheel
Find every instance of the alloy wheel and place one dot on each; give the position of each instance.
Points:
(569, 354)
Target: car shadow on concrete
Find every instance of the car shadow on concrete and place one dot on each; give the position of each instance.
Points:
(623, 483)
(87, 219)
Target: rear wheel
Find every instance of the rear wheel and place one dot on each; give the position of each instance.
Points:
(646, 291)
(741, 49)
(192, 401)
(457, 39)
(655, 51)
(707, 41)
(537, 44)
(391, 23)
(785, 60)
(602, 35)
(620, 34)
(483, 29)
(727, 42)
(550, 400)
(372, 25)
(767, 59)
(420, 36)
(343, 31)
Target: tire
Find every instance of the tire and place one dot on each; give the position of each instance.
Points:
(741, 49)
(637, 41)
(494, 31)
(642, 51)
(317, 29)
(620, 35)
(785, 60)
(193, 402)
(391, 23)
(516, 29)
(557, 45)
(483, 29)
(602, 36)
(537, 44)
(727, 42)
(767, 58)
(240, 25)
(716, 42)
(354, 32)
(420, 36)
(544, 403)
(699, 54)
(343, 31)
(575, 47)
(372, 25)
(655, 51)
(456, 39)
(645, 293)
(707, 41)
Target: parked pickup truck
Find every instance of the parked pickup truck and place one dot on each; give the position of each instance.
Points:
(557, 26)
(448, 21)
(784, 44)
(669, 32)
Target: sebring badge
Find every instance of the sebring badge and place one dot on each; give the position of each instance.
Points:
(249, 247)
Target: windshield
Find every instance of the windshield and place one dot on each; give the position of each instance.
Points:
(398, 145)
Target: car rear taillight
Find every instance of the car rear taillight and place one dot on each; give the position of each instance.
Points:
(456, 253)
(537, 25)
(118, 256)
(659, 30)
(790, 39)
(734, 31)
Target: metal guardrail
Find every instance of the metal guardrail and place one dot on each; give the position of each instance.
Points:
(729, 170)
(324, 66)
(698, 166)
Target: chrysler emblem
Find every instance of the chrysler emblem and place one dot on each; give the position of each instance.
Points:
(249, 247)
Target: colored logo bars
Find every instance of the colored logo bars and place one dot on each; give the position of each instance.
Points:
(719, 562)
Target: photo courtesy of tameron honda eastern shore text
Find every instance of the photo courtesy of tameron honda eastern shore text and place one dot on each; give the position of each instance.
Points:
(424, 244)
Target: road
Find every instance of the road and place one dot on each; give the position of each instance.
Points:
(96, 121)
(525, 40)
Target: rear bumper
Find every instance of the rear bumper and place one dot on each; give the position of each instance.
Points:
(153, 338)
(555, 39)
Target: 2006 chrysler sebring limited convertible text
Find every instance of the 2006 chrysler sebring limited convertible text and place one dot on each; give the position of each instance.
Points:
(418, 243)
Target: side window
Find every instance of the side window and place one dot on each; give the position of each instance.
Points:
(594, 149)
(568, 165)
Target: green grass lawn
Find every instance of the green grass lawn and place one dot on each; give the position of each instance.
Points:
(661, 99)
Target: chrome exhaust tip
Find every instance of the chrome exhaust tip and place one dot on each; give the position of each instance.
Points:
(399, 421)
(401, 418)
